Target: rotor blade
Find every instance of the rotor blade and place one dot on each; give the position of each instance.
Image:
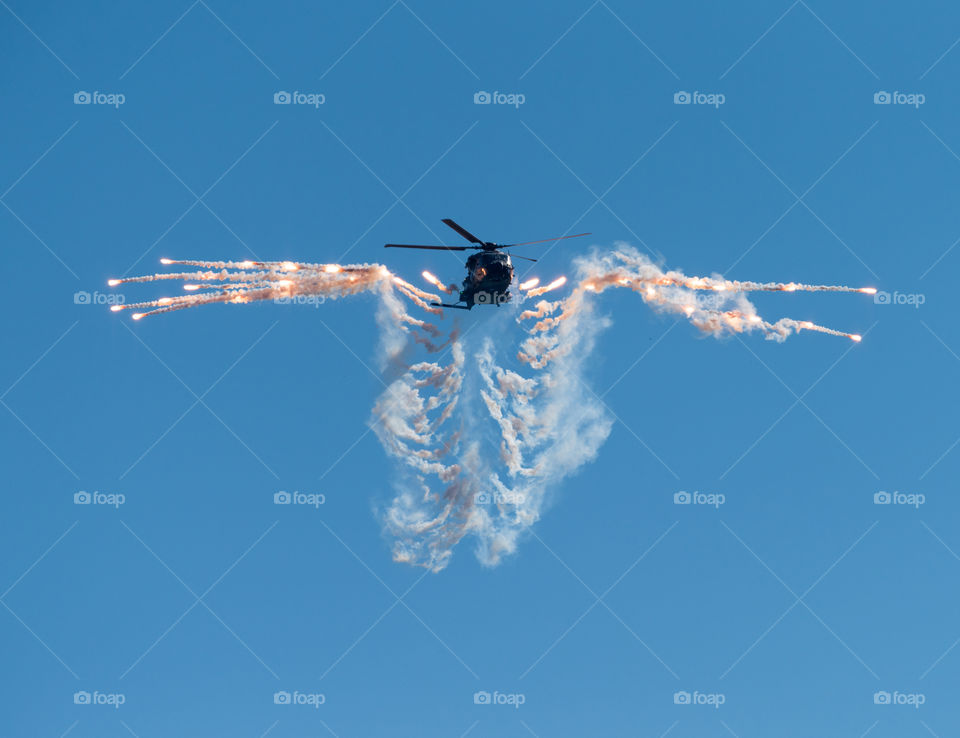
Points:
(462, 231)
(418, 246)
(517, 256)
(543, 240)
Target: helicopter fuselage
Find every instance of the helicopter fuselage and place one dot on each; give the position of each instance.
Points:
(489, 271)
(489, 274)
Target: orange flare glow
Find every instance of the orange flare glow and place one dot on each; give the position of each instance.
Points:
(113, 282)
(332, 268)
(530, 283)
(868, 291)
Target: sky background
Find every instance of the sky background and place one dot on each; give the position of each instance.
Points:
(796, 600)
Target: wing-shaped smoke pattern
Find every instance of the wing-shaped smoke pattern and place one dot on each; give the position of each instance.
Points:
(481, 429)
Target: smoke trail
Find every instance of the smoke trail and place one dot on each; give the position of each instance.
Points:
(512, 437)
(480, 445)
(250, 281)
(723, 309)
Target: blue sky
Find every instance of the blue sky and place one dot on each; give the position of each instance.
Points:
(796, 601)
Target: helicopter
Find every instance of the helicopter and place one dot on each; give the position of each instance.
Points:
(489, 272)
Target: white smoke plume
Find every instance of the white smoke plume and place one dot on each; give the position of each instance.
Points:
(723, 308)
(482, 446)
(512, 437)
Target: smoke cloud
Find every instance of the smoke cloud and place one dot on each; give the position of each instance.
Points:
(483, 429)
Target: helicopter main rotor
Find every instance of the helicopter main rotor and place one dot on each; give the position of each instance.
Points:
(478, 244)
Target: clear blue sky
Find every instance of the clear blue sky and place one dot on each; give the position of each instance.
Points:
(197, 599)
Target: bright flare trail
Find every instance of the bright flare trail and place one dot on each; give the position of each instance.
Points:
(479, 446)
(249, 281)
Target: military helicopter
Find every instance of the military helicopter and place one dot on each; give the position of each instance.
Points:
(489, 272)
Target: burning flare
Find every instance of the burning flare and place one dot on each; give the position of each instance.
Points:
(482, 444)
(554, 285)
(725, 309)
(438, 284)
(249, 281)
